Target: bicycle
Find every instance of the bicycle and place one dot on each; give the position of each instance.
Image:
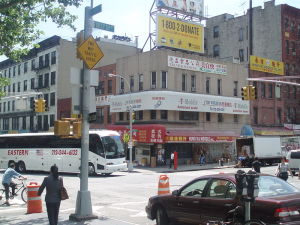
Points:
(21, 189)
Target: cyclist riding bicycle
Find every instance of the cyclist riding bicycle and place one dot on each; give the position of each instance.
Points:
(7, 181)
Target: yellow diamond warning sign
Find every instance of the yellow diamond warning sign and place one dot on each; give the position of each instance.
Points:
(90, 52)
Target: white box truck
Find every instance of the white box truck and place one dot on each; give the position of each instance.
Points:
(267, 149)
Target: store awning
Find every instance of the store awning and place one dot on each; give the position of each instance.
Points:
(272, 131)
(147, 133)
(199, 136)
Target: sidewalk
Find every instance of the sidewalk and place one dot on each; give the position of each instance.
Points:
(183, 168)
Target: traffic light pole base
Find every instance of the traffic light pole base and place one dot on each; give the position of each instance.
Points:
(83, 209)
(130, 167)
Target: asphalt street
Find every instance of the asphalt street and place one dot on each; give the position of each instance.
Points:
(119, 199)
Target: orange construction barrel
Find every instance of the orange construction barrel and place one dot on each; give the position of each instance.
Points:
(163, 185)
(34, 202)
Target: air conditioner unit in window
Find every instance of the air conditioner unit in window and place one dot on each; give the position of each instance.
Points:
(294, 53)
(193, 89)
(153, 86)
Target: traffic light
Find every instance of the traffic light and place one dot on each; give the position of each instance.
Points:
(62, 128)
(36, 105)
(79, 40)
(253, 92)
(245, 93)
(43, 105)
(77, 129)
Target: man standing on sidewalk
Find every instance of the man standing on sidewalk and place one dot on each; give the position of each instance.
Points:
(172, 159)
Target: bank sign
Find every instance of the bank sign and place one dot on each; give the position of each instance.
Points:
(178, 101)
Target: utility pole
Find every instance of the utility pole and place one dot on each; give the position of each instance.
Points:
(130, 165)
(83, 210)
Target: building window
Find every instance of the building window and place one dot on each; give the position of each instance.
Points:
(193, 83)
(53, 58)
(39, 123)
(207, 86)
(41, 62)
(287, 69)
(4, 107)
(46, 80)
(40, 81)
(219, 86)
(25, 67)
(100, 115)
(109, 86)
(15, 123)
(131, 83)
(47, 60)
(14, 88)
(5, 123)
(241, 34)
(108, 115)
(255, 115)
(19, 86)
(139, 115)
(121, 116)
(216, 51)
(288, 91)
(19, 69)
(293, 48)
(52, 99)
(8, 106)
(183, 115)
(216, 31)
(295, 92)
(235, 118)
(241, 55)
(25, 85)
(287, 47)
(163, 79)
(32, 64)
(299, 30)
(164, 114)
(0, 107)
(53, 77)
(14, 71)
(32, 81)
(235, 88)
(24, 122)
(263, 90)
(220, 117)
(153, 114)
(122, 85)
(292, 26)
(101, 87)
(141, 78)
(207, 115)
(286, 23)
(13, 106)
(183, 82)
(46, 97)
(270, 90)
(153, 80)
(52, 118)
(279, 121)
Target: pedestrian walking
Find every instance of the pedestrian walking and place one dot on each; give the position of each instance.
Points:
(172, 159)
(256, 165)
(202, 158)
(7, 182)
(52, 183)
(283, 169)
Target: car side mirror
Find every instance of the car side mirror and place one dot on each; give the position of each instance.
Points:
(175, 193)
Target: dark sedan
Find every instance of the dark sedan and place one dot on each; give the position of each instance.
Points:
(210, 198)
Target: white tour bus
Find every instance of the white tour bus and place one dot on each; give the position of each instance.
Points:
(39, 151)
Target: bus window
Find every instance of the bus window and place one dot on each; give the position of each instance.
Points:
(95, 145)
(113, 147)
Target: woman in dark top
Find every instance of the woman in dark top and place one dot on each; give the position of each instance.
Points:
(52, 184)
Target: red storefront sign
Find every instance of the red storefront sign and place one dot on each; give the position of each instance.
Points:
(142, 133)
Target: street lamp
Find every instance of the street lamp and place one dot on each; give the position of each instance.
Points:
(130, 165)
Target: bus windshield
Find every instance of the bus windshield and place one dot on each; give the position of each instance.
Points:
(113, 147)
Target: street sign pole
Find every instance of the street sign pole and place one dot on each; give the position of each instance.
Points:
(83, 210)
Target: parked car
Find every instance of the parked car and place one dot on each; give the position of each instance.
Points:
(293, 158)
(211, 197)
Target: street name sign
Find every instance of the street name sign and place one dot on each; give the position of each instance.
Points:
(90, 52)
(96, 10)
(104, 26)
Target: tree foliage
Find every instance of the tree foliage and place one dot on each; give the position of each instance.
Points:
(19, 20)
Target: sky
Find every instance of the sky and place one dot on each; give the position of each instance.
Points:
(131, 17)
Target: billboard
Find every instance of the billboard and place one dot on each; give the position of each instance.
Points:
(179, 34)
(185, 6)
(266, 65)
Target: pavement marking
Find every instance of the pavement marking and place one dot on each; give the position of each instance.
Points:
(12, 210)
(130, 203)
(123, 221)
(120, 208)
(140, 214)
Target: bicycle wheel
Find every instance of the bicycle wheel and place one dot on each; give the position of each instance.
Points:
(24, 195)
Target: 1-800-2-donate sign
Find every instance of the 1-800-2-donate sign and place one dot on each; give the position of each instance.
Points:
(179, 34)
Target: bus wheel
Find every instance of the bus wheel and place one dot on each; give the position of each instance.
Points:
(91, 169)
(21, 167)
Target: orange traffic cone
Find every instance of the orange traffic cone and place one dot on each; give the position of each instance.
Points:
(163, 185)
(34, 202)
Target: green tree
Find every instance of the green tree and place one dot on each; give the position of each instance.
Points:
(3, 82)
(19, 20)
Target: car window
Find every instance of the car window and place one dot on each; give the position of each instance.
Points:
(194, 189)
(273, 186)
(220, 188)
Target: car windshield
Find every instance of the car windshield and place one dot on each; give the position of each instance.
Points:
(272, 186)
(113, 147)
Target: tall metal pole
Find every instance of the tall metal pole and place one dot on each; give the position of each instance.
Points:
(130, 165)
(83, 209)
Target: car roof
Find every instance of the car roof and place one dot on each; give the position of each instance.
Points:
(229, 176)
